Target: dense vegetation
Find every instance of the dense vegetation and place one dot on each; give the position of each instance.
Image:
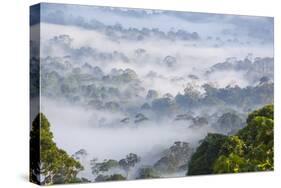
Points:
(202, 160)
(251, 149)
(171, 160)
(54, 165)
(123, 165)
(147, 173)
(133, 102)
(95, 88)
(114, 177)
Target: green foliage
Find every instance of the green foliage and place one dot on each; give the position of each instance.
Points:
(55, 165)
(267, 111)
(202, 160)
(105, 166)
(108, 164)
(245, 98)
(233, 144)
(114, 177)
(147, 173)
(34, 173)
(230, 164)
(233, 147)
(101, 169)
(252, 148)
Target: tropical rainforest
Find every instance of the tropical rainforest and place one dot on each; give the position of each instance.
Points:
(123, 94)
(249, 150)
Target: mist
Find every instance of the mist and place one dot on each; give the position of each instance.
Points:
(75, 128)
(81, 132)
(110, 87)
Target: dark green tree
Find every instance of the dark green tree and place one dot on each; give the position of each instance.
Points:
(50, 164)
(203, 159)
(115, 177)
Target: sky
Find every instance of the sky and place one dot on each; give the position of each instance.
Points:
(252, 28)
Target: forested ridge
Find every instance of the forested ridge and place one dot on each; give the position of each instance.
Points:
(251, 149)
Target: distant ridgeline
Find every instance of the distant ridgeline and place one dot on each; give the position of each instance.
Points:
(251, 149)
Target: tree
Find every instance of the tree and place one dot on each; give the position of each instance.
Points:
(206, 154)
(114, 177)
(130, 161)
(174, 159)
(191, 97)
(229, 123)
(51, 165)
(104, 166)
(191, 90)
(147, 173)
(252, 147)
(233, 147)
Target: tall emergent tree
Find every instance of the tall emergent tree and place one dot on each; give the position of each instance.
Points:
(49, 164)
(130, 161)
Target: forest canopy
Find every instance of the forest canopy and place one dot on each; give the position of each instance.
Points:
(251, 149)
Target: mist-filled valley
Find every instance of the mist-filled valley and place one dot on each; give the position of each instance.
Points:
(134, 102)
